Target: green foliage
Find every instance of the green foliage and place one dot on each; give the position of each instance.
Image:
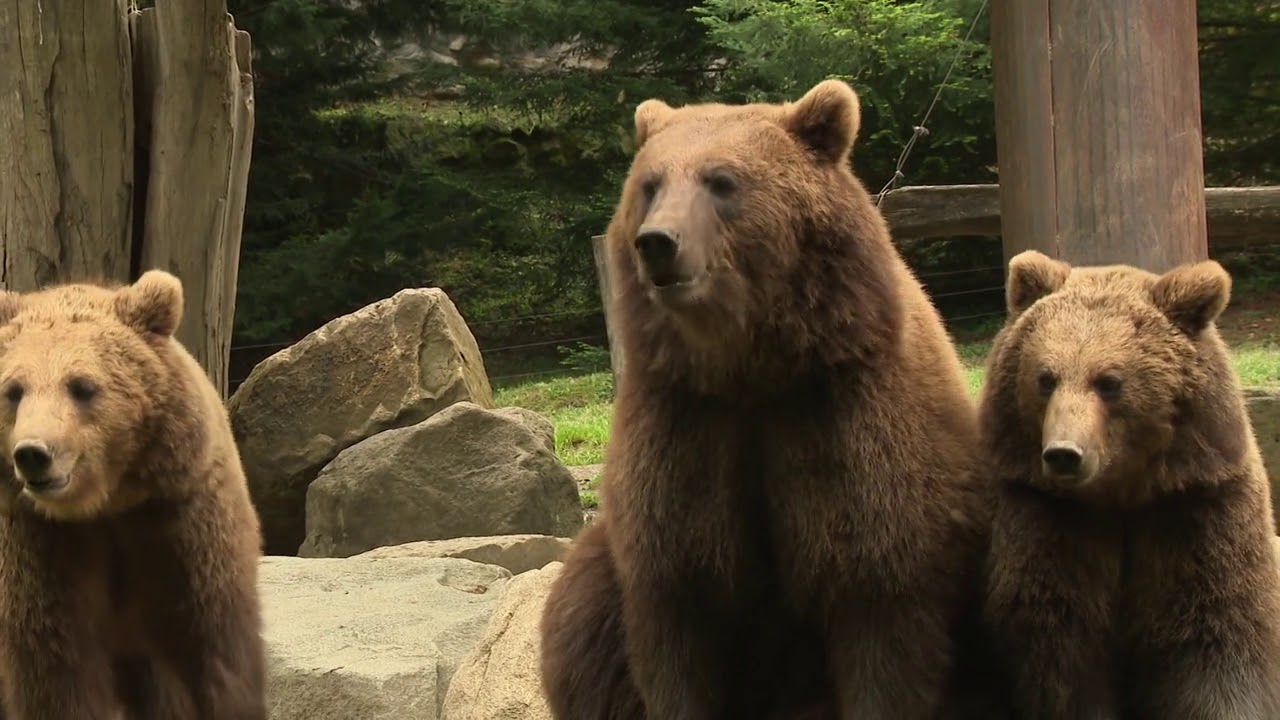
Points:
(1240, 90)
(585, 358)
(373, 171)
(894, 53)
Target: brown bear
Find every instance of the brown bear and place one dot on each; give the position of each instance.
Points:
(1132, 573)
(792, 514)
(128, 545)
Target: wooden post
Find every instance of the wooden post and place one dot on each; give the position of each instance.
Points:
(600, 251)
(124, 146)
(1098, 130)
(66, 142)
(198, 97)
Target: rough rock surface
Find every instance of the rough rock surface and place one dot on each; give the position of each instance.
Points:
(464, 472)
(516, 553)
(499, 678)
(370, 637)
(390, 364)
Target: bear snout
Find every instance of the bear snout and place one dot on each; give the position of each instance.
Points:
(659, 250)
(1062, 458)
(33, 459)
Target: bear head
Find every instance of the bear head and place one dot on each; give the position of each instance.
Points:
(84, 378)
(1110, 383)
(742, 228)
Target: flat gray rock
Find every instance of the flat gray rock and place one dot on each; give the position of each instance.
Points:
(370, 638)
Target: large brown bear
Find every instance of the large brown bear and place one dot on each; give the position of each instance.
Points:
(1132, 569)
(792, 517)
(128, 545)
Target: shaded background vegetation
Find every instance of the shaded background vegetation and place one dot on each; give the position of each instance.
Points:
(477, 145)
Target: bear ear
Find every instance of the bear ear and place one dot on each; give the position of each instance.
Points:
(650, 116)
(153, 304)
(1032, 275)
(1193, 295)
(826, 120)
(10, 304)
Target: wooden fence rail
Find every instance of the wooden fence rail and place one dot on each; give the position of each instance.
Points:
(1238, 217)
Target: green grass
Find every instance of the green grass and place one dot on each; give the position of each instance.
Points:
(580, 407)
(1258, 364)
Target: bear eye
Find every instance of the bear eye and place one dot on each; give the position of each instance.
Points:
(13, 393)
(81, 389)
(1048, 381)
(721, 183)
(1108, 386)
(650, 188)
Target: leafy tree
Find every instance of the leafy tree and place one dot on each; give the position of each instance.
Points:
(895, 53)
(1240, 90)
(375, 169)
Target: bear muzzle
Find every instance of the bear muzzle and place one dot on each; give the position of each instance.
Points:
(659, 251)
(673, 268)
(34, 461)
(1068, 461)
(1063, 458)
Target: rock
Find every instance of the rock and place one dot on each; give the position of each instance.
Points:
(370, 637)
(535, 423)
(390, 364)
(1264, 415)
(464, 472)
(499, 678)
(516, 553)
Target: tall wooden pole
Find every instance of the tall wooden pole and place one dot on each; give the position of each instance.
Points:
(1098, 130)
(125, 146)
(600, 252)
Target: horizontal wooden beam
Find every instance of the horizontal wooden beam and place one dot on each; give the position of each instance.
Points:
(1238, 217)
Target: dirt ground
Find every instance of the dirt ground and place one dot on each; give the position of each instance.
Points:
(1252, 318)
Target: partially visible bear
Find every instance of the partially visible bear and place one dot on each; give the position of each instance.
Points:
(792, 518)
(128, 546)
(1132, 569)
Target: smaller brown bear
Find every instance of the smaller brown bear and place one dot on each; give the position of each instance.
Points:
(1132, 573)
(128, 545)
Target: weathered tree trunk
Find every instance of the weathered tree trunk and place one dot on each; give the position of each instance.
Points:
(198, 94)
(1098, 130)
(127, 137)
(66, 142)
(600, 251)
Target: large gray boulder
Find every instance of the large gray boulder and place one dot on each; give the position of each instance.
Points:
(370, 637)
(466, 471)
(390, 364)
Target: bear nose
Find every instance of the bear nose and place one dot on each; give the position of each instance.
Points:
(1062, 458)
(32, 458)
(657, 248)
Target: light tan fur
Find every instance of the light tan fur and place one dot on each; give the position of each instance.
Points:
(128, 561)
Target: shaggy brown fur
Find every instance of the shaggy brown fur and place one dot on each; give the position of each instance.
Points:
(1133, 574)
(792, 518)
(128, 545)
